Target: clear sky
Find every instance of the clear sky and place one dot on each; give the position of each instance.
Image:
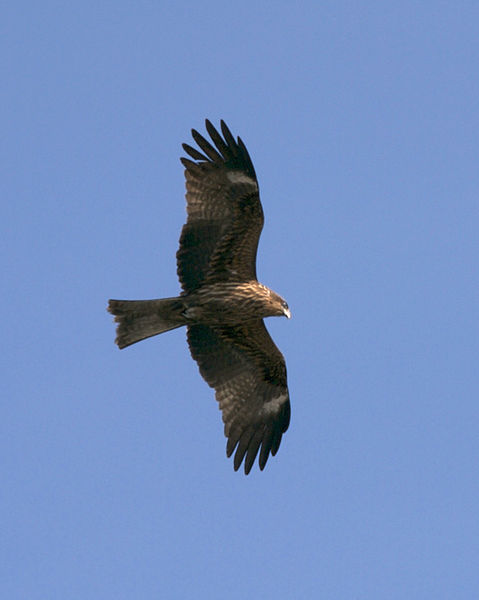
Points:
(362, 121)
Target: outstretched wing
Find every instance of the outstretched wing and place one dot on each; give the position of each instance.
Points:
(248, 373)
(220, 238)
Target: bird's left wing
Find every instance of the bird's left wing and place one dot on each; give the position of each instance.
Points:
(248, 373)
(220, 238)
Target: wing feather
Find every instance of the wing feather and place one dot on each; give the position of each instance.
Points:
(222, 197)
(228, 137)
(193, 152)
(248, 373)
(266, 446)
(217, 139)
(253, 448)
(207, 148)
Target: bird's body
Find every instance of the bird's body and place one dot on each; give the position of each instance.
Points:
(232, 303)
(222, 303)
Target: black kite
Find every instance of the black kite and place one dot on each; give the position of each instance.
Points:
(222, 304)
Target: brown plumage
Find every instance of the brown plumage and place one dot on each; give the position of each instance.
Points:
(222, 304)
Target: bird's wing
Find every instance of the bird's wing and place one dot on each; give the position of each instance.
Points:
(248, 373)
(220, 238)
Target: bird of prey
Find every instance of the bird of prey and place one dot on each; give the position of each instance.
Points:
(222, 303)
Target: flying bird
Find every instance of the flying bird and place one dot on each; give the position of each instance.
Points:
(222, 304)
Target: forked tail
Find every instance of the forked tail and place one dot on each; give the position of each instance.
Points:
(140, 319)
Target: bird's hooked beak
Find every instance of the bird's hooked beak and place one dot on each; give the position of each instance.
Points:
(287, 313)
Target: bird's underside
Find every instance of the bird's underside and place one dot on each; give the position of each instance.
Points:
(222, 304)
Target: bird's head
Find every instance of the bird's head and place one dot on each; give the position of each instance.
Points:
(286, 311)
(281, 308)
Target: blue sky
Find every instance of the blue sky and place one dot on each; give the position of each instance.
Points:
(362, 121)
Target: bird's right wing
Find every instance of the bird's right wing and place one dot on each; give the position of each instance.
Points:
(248, 373)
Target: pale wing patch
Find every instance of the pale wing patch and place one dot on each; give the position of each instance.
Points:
(238, 177)
(273, 406)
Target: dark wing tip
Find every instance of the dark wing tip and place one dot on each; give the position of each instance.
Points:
(226, 149)
(193, 152)
(253, 448)
(209, 125)
(264, 438)
(229, 139)
(190, 166)
(207, 148)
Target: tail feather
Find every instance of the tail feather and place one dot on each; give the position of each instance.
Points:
(141, 319)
